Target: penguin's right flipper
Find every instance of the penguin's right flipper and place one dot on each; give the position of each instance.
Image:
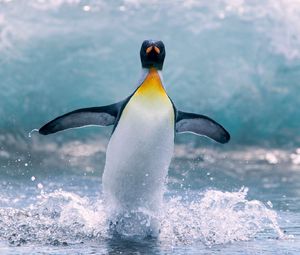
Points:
(201, 125)
(99, 116)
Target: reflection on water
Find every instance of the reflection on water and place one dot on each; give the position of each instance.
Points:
(121, 246)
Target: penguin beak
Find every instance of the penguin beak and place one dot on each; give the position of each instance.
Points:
(151, 48)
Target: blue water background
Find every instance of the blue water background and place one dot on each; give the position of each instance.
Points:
(237, 62)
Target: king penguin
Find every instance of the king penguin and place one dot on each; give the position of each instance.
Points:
(141, 146)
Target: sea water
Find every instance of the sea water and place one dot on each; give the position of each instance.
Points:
(235, 61)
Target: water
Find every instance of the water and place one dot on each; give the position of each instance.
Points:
(234, 61)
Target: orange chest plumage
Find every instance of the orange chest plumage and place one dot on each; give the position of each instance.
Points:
(150, 105)
(152, 91)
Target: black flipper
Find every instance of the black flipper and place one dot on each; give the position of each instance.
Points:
(99, 116)
(201, 125)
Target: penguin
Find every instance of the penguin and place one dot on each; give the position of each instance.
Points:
(141, 145)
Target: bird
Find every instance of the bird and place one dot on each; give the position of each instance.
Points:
(141, 145)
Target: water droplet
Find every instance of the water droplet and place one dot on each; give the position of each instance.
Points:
(122, 8)
(86, 8)
(269, 203)
(221, 15)
(32, 131)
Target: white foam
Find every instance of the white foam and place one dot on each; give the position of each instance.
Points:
(214, 217)
(217, 218)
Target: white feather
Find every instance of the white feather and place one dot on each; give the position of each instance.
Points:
(138, 156)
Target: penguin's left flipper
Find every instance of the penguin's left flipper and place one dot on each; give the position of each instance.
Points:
(201, 125)
(99, 116)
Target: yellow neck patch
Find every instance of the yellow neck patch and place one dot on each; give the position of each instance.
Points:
(152, 87)
(150, 101)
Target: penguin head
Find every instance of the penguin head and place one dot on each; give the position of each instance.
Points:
(153, 54)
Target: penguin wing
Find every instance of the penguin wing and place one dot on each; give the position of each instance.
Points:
(200, 125)
(99, 116)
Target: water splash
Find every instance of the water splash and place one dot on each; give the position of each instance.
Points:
(218, 218)
(62, 218)
(32, 131)
(58, 218)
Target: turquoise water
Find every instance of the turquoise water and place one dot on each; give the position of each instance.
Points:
(235, 61)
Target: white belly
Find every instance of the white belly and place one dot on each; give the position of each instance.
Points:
(138, 156)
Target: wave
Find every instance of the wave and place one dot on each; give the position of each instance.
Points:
(238, 62)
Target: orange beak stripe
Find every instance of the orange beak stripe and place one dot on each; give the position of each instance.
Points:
(148, 50)
(157, 49)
